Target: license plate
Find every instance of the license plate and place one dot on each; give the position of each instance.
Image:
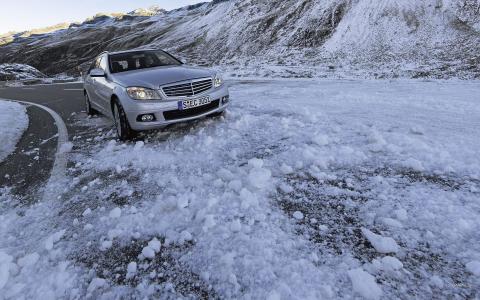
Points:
(187, 104)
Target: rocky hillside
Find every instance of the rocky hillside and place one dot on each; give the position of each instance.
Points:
(19, 72)
(429, 38)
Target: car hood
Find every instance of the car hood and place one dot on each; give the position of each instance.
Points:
(155, 77)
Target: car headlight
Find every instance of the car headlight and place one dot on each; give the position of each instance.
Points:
(140, 93)
(217, 81)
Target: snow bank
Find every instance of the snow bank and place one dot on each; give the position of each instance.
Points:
(269, 201)
(13, 122)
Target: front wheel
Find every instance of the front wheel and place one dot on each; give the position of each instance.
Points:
(124, 132)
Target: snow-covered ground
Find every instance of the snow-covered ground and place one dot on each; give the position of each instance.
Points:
(306, 189)
(13, 122)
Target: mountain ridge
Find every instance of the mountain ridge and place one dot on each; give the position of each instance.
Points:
(434, 38)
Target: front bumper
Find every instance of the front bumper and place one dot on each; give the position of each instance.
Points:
(134, 109)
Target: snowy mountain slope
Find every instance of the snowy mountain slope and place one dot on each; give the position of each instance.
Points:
(438, 38)
(19, 72)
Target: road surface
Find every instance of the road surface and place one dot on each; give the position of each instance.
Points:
(28, 168)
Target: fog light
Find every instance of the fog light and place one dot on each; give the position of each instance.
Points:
(225, 99)
(146, 118)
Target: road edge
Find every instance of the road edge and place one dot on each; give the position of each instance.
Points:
(58, 171)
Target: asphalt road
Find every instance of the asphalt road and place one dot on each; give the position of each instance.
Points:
(28, 168)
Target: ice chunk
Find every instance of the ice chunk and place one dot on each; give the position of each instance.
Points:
(53, 239)
(155, 245)
(138, 145)
(66, 147)
(364, 284)
(106, 245)
(259, 177)
(298, 215)
(436, 281)
(182, 202)
(95, 284)
(474, 267)
(185, 236)
(255, 163)
(235, 185)
(131, 269)
(148, 252)
(413, 163)
(115, 213)
(380, 243)
(390, 263)
(86, 212)
(391, 222)
(286, 169)
(286, 188)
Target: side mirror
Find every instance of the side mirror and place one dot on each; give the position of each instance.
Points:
(97, 73)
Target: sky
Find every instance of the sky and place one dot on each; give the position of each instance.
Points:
(21, 15)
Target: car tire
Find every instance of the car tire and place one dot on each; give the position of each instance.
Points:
(122, 126)
(88, 106)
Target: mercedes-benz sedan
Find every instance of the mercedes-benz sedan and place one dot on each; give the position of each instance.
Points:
(149, 89)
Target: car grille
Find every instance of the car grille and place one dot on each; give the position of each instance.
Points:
(188, 89)
(192, 112)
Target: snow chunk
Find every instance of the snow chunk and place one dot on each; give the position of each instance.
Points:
(286, 169)
(106, 245)
(155, 245)
(86, 212)
(259, 177)
(28, 260)
(474, 267)
(53, 239)
(364, 284)
(380, 243)
(390, 263)
(138, 145)
(298, 215)
(115, 213)
(148, 252)
(255, 163)
(66, 147)
(131, 269)
(95, 284)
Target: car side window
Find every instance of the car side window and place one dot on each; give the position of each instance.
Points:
(103, 63)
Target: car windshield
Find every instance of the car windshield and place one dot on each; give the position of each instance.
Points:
(137, 60)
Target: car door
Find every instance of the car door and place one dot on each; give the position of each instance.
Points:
(104, 86)
(90, 84)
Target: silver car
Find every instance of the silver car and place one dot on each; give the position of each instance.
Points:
(149, 89)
